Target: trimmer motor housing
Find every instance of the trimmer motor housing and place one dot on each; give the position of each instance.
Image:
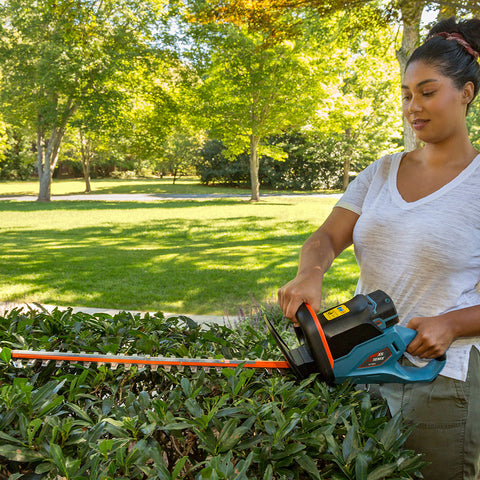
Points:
(359, 340)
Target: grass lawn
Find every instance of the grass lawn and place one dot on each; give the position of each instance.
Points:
(182, 186)
(191, 257)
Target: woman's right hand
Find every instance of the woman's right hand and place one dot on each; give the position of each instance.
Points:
(316, 256)
(304, 288)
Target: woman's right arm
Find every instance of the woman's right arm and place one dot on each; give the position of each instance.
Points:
(316, 256)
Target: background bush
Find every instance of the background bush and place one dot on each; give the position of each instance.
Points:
(95, 422)
(311, 163)
(18, 160)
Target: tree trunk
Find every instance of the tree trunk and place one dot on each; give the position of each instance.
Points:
(346, 172)
(411, 16)
(86, 175)
(44, 194)
(47, 158)
(48, 150)
(87, 155)
(44, 183)
(347, 160)
(254, 167)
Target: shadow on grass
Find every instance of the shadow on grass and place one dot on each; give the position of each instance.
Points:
(118, 186)
(176, 265)
(33, 206)
(15, 206)
(155, 186)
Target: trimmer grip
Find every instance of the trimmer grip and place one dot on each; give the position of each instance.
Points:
(421, 374)
(311, 332)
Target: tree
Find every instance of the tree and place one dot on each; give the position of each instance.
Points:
(411, 12)
(60, 56)
(362, 107)
(180, 151)
(253, 87)
(265, 16)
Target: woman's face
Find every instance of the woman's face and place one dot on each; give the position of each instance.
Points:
(432, 104)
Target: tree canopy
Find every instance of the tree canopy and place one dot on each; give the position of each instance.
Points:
(147, 83)
(58, 57)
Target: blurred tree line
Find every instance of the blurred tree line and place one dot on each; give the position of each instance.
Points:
(297, 94)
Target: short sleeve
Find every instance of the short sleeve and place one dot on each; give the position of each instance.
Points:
(356, 191)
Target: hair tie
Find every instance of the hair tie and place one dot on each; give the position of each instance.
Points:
(457, 37)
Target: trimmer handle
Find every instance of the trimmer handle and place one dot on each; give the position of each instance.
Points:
(418, 374)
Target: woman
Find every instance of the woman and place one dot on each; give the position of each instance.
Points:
(414, 221)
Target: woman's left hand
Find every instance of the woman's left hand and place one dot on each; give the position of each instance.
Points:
(434, 336)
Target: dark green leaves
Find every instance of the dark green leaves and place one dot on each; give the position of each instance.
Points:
(90, 422)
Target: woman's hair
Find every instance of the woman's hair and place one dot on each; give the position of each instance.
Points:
(454, 57)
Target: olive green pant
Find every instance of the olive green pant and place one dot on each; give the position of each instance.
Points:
(446, 413)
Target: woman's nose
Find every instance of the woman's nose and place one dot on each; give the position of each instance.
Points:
(414, 105)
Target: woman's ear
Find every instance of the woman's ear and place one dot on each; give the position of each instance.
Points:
(468, 92)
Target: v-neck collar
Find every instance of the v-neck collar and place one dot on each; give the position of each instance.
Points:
(392, 180)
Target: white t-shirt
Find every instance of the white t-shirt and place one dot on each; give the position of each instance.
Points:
(424, 254)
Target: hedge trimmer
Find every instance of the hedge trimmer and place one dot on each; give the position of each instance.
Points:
(359, 341)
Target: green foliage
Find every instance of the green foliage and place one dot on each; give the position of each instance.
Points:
(61, 58)
(78, 422)
(473, 119)
(213, 166)
(17, 162)
(310, 163)
(334, 82)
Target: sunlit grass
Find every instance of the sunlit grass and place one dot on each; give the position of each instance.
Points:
(207, 257)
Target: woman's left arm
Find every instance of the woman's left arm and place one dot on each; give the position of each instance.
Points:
(435, 334)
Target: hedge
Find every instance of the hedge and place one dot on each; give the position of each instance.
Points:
(94, 422)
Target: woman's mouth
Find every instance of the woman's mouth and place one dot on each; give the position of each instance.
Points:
(419, 124)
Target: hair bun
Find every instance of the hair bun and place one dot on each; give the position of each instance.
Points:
(468, 29)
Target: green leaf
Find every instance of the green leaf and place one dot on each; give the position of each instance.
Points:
(270, 427)
(9, 438)
(105, 446)
(350, 444)
(186, 386)
(308, 464)
(390, 432)
(180, 425)
(107, 405)
(58, 458)
(52, 405)
(383, 471)
(412, 464)
(15, 476)
(207, 440)
(178, 467)
(5, 355)
(33, 427)
(19, 454)
(43, 468)
(362, 460)
(231, 436)
(291, 450)
(268, 475)
(80, 413)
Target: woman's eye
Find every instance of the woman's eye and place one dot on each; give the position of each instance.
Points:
(428, 94)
